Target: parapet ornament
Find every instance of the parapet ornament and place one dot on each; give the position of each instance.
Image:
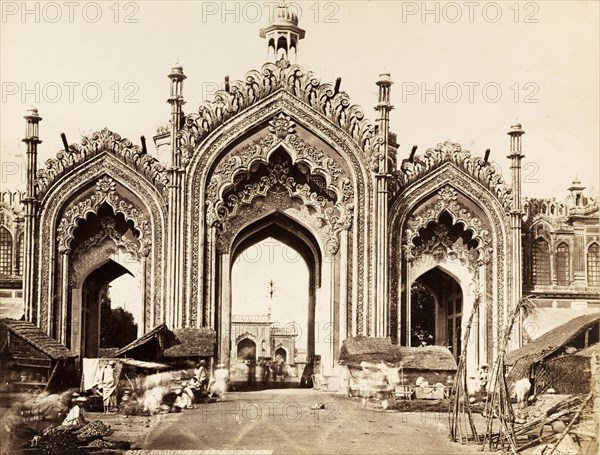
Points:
(92, 145)
(259, 84)
(448, 151)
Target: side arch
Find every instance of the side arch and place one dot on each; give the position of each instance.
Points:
(83, 190)
(487, 218)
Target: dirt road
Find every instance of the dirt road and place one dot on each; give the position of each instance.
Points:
(282, 422)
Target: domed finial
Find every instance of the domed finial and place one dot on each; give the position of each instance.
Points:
(283, 34)
(33, 111)
(177, 71)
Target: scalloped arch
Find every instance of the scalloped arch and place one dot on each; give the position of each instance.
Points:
(105, 194)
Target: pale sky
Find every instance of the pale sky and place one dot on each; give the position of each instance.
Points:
(106, 64)
(271, 260)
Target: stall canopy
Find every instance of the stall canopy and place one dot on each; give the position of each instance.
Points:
(150, 346)
(578, 333)
(29, 346)
(192, 343)
(365, 349)
(92, 369)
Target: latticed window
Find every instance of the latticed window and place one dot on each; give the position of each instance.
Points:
(540, 262)
(593, 265)
(5, 251)
(20, 252)
(562, 265)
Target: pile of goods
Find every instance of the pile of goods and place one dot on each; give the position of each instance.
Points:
(66, 440)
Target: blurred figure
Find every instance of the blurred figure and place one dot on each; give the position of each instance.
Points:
(201, 375)
(219, 384)
(108, 386)
(76, 416)
(483, 376)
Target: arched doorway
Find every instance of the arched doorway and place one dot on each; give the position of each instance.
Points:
(436, 311)
(280, 355)
(103, 249)
(246, 350)
(272, 239)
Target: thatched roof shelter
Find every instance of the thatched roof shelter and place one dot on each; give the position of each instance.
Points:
(193, 343)
(434, 358)
(367, 349)
(29, 336)
(27, 350)
(552, 343)
(150, 346)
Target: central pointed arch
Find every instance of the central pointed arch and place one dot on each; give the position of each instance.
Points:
(294, 234)
(339, 166)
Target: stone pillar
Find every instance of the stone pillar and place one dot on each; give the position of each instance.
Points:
(224, 310)
(380, 324)
(516, 216)
(62, 335)
(343, 282)
(174, 311)
(29, 260)
(579, 255)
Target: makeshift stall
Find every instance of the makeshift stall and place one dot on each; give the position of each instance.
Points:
(192, 345)
(420, 372)
(30, 360)
(151, 346)
(529, 361)
(128, 373)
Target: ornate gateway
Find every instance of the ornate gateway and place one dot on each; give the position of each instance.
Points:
(277, 154)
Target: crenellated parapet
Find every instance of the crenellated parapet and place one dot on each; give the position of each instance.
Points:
(479, 168)
(325, 98)
(11, 201)
(559, 211)
(104, 141)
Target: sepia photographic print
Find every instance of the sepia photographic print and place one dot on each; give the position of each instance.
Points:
(299, 227)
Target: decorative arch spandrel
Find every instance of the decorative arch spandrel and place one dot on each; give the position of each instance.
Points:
(74, 187)
(495, 219)
(349, 155)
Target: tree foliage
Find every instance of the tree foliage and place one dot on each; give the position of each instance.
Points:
(117, 327)
(422, 315)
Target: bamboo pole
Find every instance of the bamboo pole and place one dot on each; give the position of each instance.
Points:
(499, 406)
(460, 405)
(572, 422)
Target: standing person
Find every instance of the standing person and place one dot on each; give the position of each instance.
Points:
(201, 374)
(109, 386)
(266, 372)
(483, 377)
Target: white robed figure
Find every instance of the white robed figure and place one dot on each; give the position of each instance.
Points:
(219, 381)
(108, 386)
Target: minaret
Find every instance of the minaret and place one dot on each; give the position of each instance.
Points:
(516, 217)
(174, 316)
(575, 209)
(383, 107)
(32, 140)
(282, 35)
(176, 101)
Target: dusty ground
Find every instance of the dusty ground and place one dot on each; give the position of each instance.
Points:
(281, 422)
